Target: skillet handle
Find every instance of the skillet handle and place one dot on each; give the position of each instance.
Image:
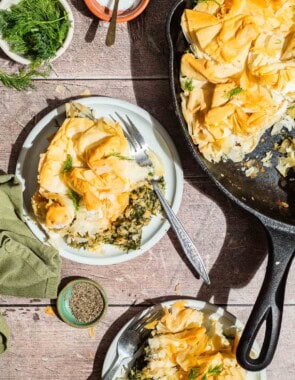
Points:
(269, 304)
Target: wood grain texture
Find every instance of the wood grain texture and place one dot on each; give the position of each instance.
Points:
(140, 49)
(231, 241)
(45, 348)
(21, 110)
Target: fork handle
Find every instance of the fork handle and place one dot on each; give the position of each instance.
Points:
(110, 375)
(111, 34)
(186, 242)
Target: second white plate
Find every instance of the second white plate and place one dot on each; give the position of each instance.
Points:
(158, 140)
(215, 312)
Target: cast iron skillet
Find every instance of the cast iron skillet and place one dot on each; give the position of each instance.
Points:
(261, 197)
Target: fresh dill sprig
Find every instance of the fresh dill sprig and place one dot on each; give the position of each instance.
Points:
(35, 30)
(188, 85)
(87, 113)
(119, 156)
(68, 164)
(235, 91)
(23, 78)
(213, 372)
(75, 198)
(193, 373)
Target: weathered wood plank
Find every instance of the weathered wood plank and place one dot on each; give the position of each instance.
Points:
(232, 242)
(140, 48)
(43, 347)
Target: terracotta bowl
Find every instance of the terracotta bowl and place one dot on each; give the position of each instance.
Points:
(105, 13)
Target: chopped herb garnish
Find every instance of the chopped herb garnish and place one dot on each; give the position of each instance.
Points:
(68, 164)
(84, 113)
(193, 373)
(119, 156)
(75, 198)
(215, 370)
(212, 372)
(135, 374)
(233, 92)
(126, 231)
(278, 41)
(188, 85)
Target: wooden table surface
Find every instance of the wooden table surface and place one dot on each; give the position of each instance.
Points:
(232, 242)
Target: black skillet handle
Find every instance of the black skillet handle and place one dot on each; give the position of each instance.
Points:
(269, 304)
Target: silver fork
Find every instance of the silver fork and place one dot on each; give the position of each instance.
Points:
(139, 149)
(131, 339)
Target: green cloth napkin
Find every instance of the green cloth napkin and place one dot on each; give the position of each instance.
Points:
(4, 335)
(28, 268)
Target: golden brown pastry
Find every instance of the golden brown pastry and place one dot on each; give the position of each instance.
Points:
(86, 175)
(62, 145)
(187, 344)
(57, 210)
(240, 79)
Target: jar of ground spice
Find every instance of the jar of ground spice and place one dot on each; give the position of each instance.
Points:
(82, 303)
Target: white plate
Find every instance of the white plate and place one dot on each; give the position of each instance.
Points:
(5, 4)
(215, 312)
(158, 140)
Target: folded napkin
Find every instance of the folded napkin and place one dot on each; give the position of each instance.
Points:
(28, 268)
(4, 335)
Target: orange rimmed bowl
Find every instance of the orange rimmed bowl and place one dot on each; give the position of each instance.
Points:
(100, 10)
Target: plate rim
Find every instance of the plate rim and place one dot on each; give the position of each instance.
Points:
(177, 166)
(199, 305)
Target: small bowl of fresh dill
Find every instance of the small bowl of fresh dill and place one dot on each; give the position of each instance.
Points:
(82, 303)
(35, 32)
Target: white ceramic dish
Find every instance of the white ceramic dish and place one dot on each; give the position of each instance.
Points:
(5, 4)
(215, 312)
(156, 137)
(123, 5)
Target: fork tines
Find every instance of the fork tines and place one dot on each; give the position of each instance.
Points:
(137, 144)
(129, 131)
(148, 317)
(126, 130)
